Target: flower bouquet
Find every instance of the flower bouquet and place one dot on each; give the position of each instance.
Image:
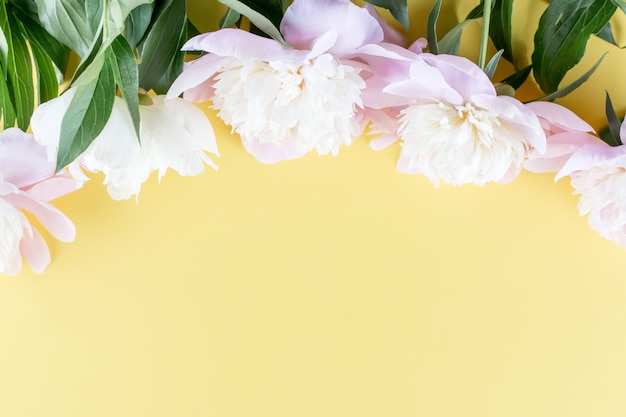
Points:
(117, 87)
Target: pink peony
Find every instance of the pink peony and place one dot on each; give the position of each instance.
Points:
(285, 102)
(27, 182)
(565, 133)
(598, 174)
(452, 125)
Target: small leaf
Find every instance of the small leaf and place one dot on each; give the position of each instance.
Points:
(162, 42)
(561, 38)
(122, 61)
(431, 30)
(264, 18)
(137, 23)
(230, 18)
(516, 80)
(614, 123)
(450, 43)
(86, 116)
(562, 92)
(67, 21)
(491, 66)
(399, 9)
(500, 30)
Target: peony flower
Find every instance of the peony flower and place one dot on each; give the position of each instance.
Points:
(565, 133)
(27, 182)
(174, 134)
(598, 175)
(452, 125)
(285, 102)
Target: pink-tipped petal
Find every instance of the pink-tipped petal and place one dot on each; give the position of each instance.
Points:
(559, 115)
(307, 20)
(389, 33)
(198, 73)
(404, 165)
(55, 187)
(23, 161)
(591, 155)
(270, 154)
(57, 223)
(466, 77)
(35, 251)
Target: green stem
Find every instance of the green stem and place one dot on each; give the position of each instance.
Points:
(484, 38)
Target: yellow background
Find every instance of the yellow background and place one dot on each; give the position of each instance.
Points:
(321, 287)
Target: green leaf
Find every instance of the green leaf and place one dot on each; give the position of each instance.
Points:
(5, 37)
(614, 123)
(431, 29)
(86, 116)
(621, 4)
(137, 23)
(20, 72)
(7, 111)
(35, 33)
(562, 92)
(115, 14)
(89, 67)
(67, 21)
(48, 86)
(491, 66)
(399, 9)
(230, 18)
(264, 15)
(561, 38)
(450, 43)
(163, 41)
(500, 29)
(121, 59)
(516, 80)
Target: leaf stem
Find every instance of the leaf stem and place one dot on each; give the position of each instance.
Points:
(484, 38)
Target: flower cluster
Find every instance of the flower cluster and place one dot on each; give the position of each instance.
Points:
(329, 72)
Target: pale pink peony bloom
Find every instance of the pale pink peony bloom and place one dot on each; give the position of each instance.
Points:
(598, 174)
(28, 182)
(285, 102)
(174, 134)
(452, 125)
(565, 133)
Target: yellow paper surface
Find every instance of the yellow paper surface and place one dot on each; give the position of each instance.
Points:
(320, 287)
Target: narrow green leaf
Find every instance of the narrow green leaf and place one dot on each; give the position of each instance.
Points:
(614, 123)
(230, 18)
(500, 30)
(122, 61)
(562, 92)
(5, 37)
(162, 42)
(20, 71)
(271, 10)
(476, 12)
(258, 16)
(89, 67)
(86, 116)
(399, 9)
(47, 84)
(116, 13)
(7, 111)
(35, 33)
(561, 38)
(491, 66)
(93, 12)
(431, 29)
(137, 23)
(450, 43)
(516, 80)
(172, 72)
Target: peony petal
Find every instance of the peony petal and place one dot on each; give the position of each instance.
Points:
(462, 74)
(197, 76)
(404, 165)
(389, 33)
(591, 155)
(35, 251)
(46, 122)
(54, 187)
(559, 115)
(270, 154)
(57, 223)
(307, 20)
(23, 161)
